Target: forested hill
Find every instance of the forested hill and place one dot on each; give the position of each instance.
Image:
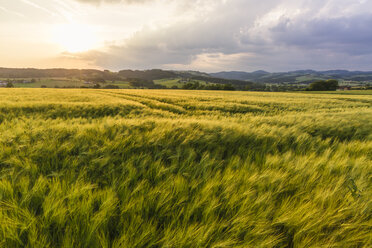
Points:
(153, 74)
(144, 76)
(305, 76)
(41, 73)
(232, 77)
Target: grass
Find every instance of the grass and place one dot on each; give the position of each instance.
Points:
(347, 92)
(50, 83)
(169, 82)
(162, 168)
(64, 83)
(121, 84)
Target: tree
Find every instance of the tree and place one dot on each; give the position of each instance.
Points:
(228, 87)
(110, 86)
(192, 86)
(321, 85)
(144, 83)
(332, 84)
(9, 85)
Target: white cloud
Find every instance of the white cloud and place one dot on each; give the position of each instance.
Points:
(11, 12)
(113, 1)
(37, 6)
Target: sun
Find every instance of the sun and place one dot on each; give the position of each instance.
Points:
(75, 37)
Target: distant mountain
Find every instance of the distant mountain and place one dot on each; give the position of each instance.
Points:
(156, 74)
(153, 74)
(240, 75)
(42, 73)
(192, 73)
(147, 74)
(305, 76)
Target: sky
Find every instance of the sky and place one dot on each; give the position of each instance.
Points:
(203, 35)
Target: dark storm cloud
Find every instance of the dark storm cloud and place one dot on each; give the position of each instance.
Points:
(351, 35)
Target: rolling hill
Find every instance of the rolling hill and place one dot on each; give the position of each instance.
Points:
(305, 76)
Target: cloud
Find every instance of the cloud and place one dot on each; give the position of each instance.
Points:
(37, 6)
(351, 35)
(249, 35)
(11, 12)
(97, 2)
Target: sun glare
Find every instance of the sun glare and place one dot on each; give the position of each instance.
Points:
(75, 37)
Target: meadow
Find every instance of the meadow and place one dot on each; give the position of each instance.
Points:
(173, 168)
(62, 82)
(45, 82)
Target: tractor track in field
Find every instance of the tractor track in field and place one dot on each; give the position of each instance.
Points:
(166, 105)
(148, 102)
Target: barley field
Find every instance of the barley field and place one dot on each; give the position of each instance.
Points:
(162, 168)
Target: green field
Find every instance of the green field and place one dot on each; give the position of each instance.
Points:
(62, 83)
(163, 168)
(49, 83)
(169, 82)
